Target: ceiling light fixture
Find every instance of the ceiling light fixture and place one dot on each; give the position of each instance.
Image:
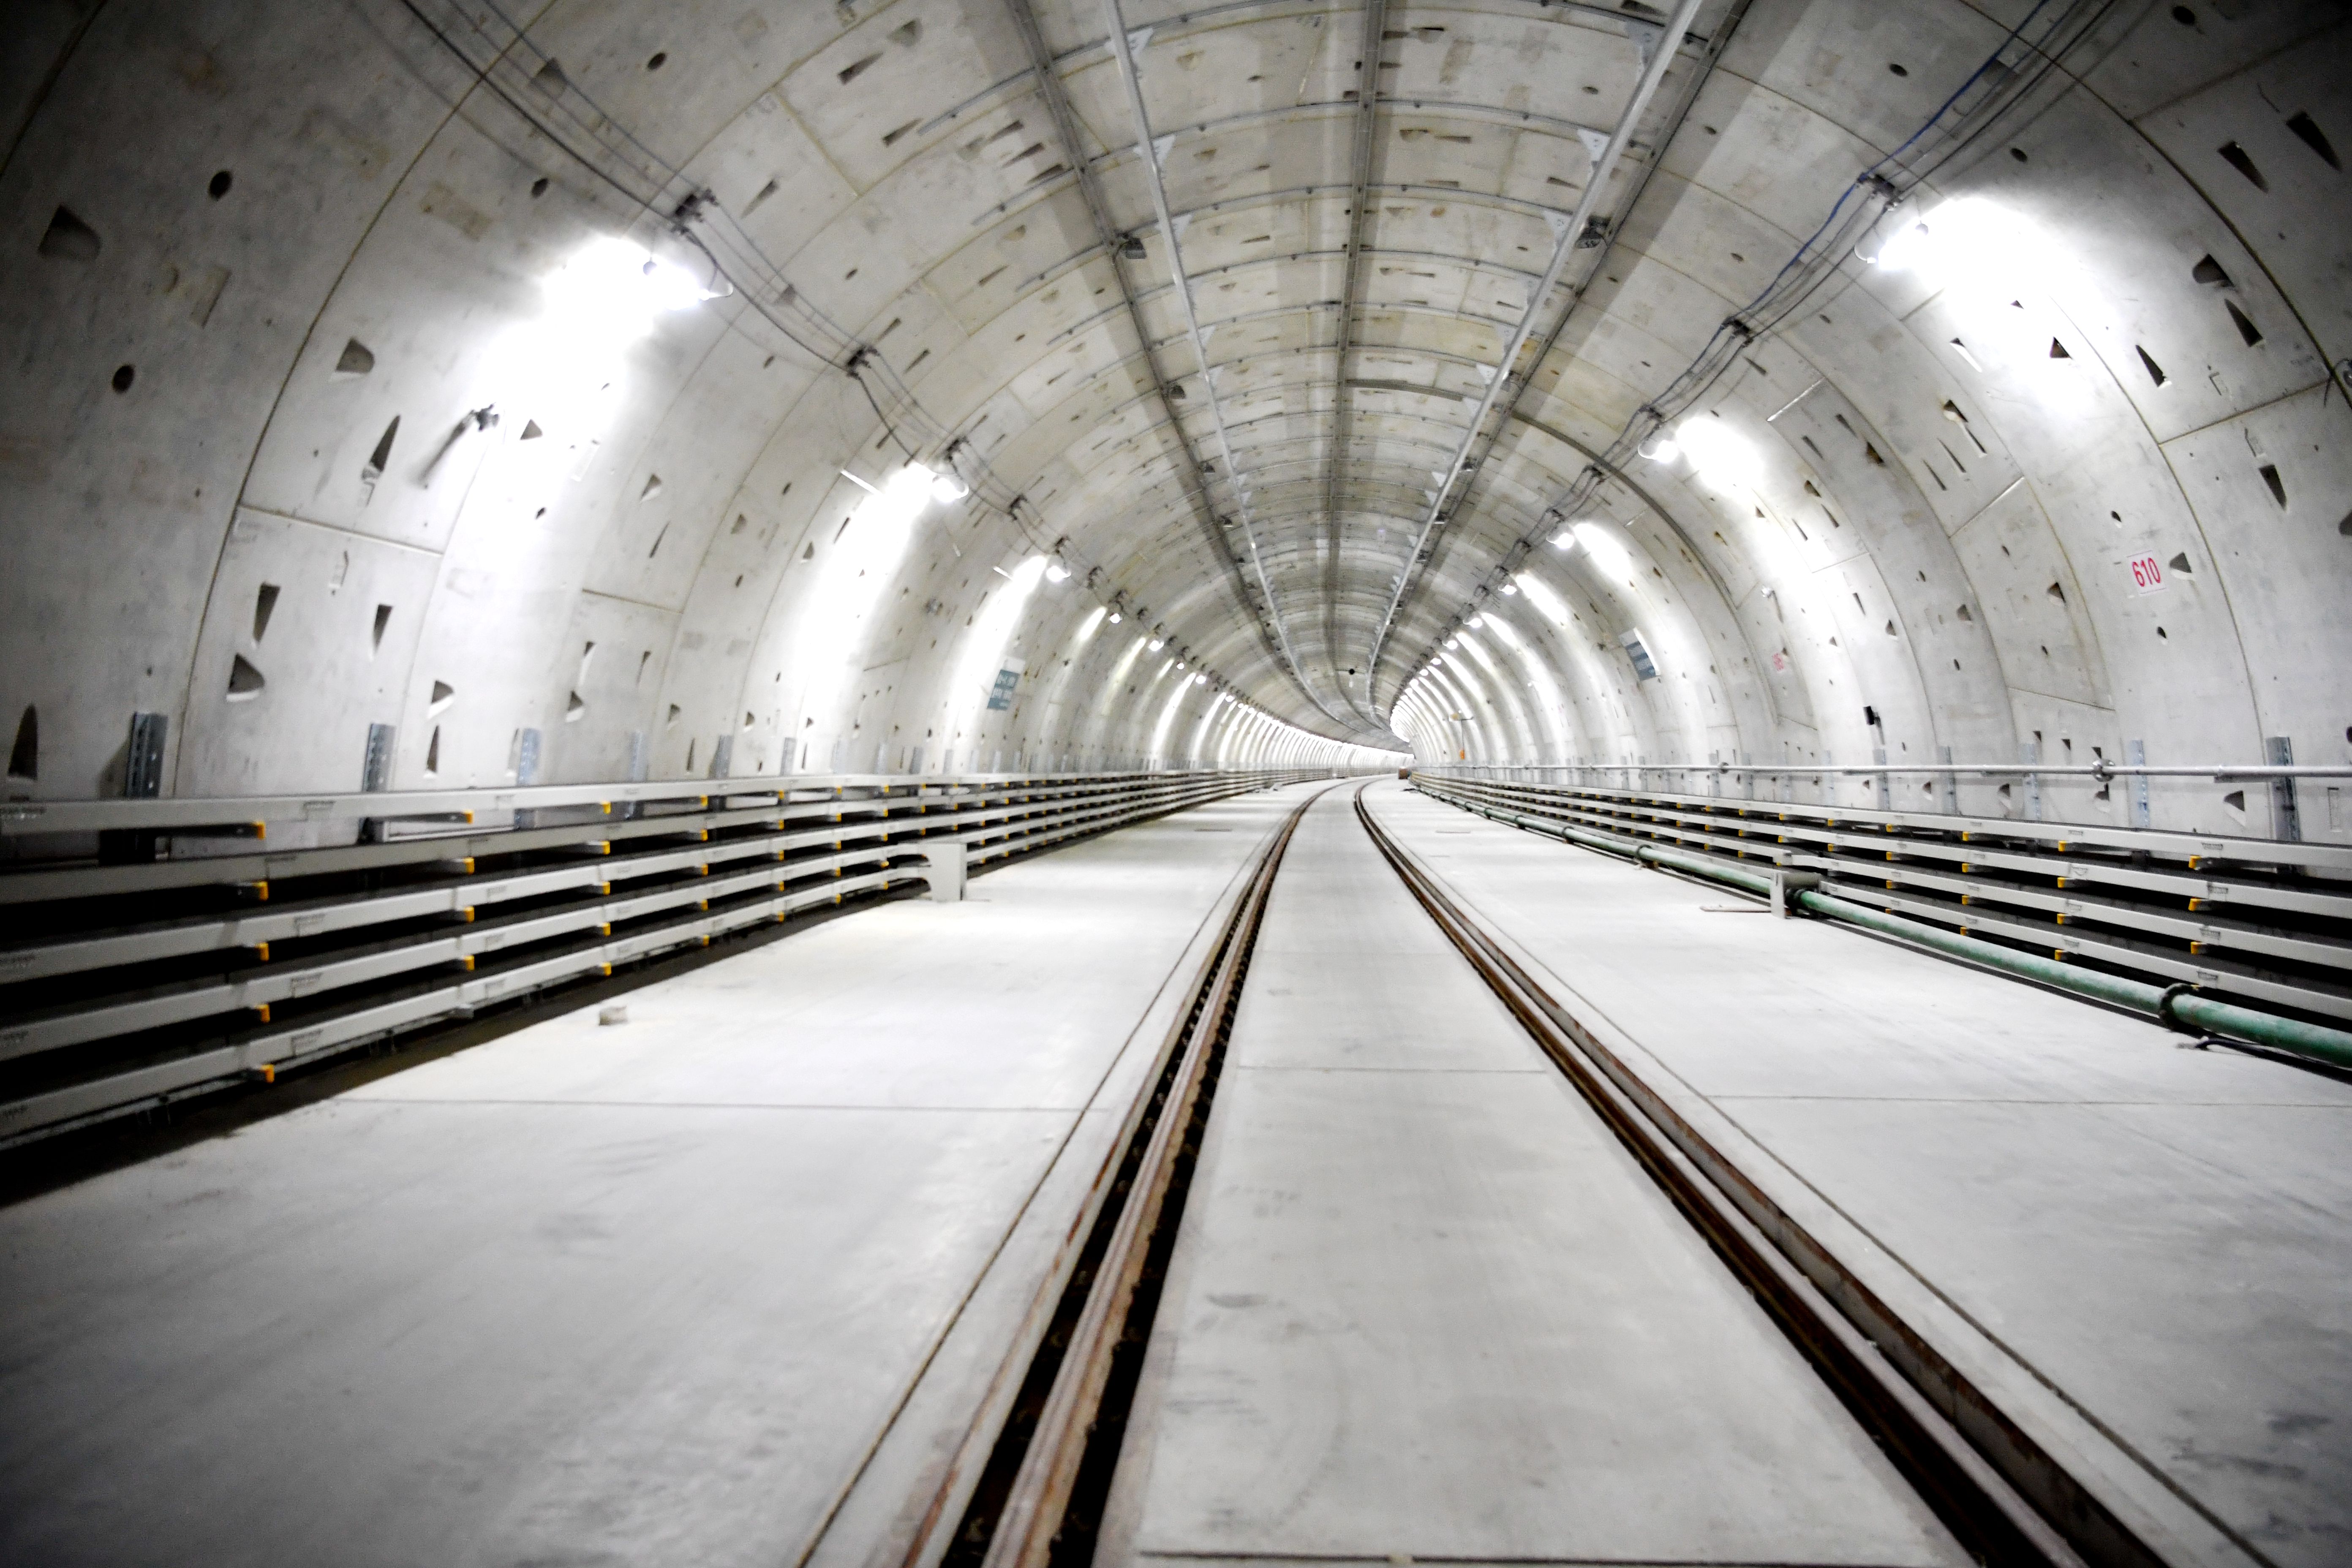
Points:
(1720, 454)
(1605, 551)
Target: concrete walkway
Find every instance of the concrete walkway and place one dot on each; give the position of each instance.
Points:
(665, 1292)
(1425, 1306)
(2146, 1251)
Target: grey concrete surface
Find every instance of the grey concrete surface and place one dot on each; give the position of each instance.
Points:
(1425, 1305)
(291, 227)
(2159, 1238)
(645, 1293)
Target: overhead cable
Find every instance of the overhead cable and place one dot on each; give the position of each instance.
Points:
(2025, 57)
(506, 62)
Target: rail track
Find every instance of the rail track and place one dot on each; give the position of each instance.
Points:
(1037, 1502)
(1038, 1499)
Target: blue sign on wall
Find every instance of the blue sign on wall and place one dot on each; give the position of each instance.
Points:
(1001, 697)
(1645, 667)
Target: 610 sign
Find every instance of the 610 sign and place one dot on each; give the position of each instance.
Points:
(2146, 575)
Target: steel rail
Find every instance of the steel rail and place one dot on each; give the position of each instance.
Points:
(1571, 231)
(1026, 1517)
(1990, 1483)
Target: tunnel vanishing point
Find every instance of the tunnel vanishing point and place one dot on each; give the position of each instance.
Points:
(566, 564)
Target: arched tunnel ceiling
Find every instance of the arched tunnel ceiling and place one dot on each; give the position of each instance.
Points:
(1356, 272)
(932, 229)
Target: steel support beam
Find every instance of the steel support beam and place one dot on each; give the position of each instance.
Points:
(1065, 125)
(1715, 45)
(1124, 46)
(1570, 230)
(1360, 179)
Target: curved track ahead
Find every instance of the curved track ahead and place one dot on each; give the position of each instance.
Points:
(1109, 1447)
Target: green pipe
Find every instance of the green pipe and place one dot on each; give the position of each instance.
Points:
(2137, 994)
(1699, 864)
(2170, 1005)
(2315, 1041)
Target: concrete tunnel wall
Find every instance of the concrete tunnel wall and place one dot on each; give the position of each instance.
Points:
(271, 260)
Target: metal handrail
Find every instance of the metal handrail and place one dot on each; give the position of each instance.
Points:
(24, 819)
(2178, 1005)
(2219, 772)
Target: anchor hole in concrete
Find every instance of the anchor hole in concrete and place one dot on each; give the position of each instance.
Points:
(2308, 132)
(245, 682)
(68, 239)
(381, 459)
(24, 755)
(2239, 159)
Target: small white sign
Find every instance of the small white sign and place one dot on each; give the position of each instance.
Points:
(2146, 575)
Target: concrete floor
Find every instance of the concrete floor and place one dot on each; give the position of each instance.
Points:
(2147, 1249)
(730, 1283)
(1425, 1305)
(690, 1290)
